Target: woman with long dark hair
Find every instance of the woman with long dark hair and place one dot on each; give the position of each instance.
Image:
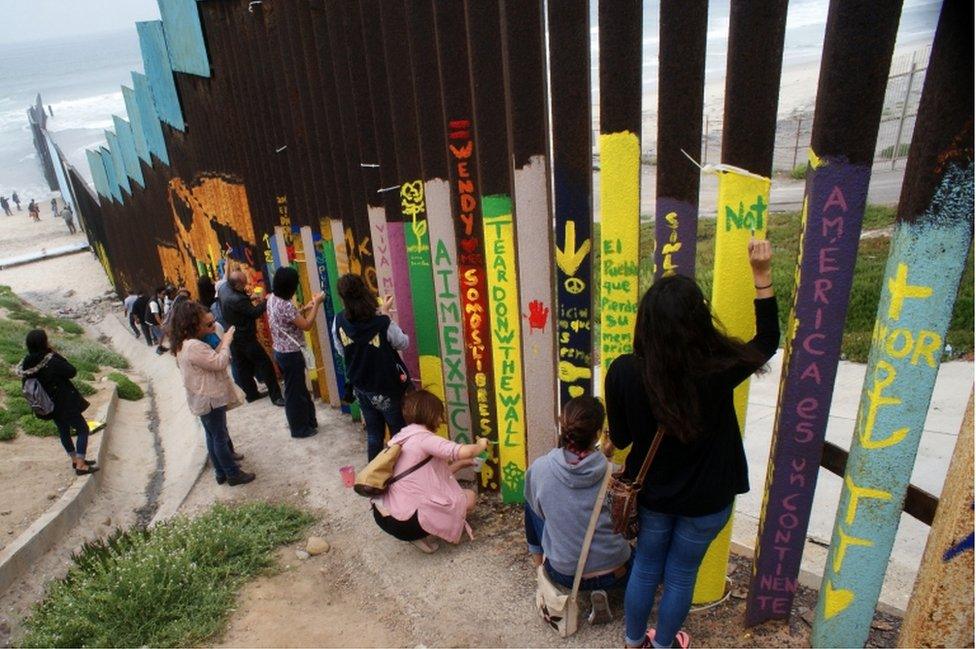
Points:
(369, 341)
(680, 379)
(288, 323)
(54, 373)
(209, 390)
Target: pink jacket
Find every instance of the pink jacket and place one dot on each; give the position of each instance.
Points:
(431, 490)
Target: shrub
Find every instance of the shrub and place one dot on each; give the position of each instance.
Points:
(16, 408)
(85, 375)
(37, 427)
(127, 389)
(8, 431)
(86, 388)
(173, 585)
(799, 172)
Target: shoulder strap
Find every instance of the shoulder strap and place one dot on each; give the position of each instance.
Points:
(658, 436)
(409, 471)
(590, 530)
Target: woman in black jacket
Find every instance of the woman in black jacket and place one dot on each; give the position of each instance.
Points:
(680, 379)
(54, 374)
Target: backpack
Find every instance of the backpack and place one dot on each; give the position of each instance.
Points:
(377, 476)
(34, 393)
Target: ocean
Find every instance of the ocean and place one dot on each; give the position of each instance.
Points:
(80, 79)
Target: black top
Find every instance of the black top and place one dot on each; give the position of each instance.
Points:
(139, 308)
(55, 378)
(701, 477)
(372, 365)
(238, 311)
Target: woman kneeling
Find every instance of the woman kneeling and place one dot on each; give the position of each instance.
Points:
(427, 500)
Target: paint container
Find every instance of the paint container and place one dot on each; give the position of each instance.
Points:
(348, 474)
(479, 461)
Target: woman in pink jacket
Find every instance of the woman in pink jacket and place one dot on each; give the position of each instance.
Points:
(427, 501)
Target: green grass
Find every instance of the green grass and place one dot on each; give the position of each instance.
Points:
(37, 427)
(8, 431)
(784, 233)
(88, 357)
(173, 585)
(127, 389)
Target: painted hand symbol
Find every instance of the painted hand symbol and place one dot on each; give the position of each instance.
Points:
(538, 315)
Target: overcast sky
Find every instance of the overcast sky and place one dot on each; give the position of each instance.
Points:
(25, 20)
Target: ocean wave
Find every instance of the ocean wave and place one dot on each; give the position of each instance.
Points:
(93, 112)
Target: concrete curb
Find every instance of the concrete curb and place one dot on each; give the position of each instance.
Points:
(181, 433)
(62, 516)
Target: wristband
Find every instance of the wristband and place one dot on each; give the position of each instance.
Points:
(760, 288)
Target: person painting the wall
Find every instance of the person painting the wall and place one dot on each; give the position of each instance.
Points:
(427, 501)
(369, 341)
(680, 380)
(287, 323)
(241, 311)
(560, 491)
(54, 373)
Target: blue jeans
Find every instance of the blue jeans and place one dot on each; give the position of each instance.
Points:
(534, 525)
(379, 411)
(671, 547)
(65, 423)
(218, 443)
(299, 408)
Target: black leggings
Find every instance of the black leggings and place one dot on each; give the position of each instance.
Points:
(408, 530)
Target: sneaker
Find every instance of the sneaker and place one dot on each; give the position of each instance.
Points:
(279, 402)
(260, 395)
(241, 478)
(600, 612)
(681, 639)
(221, 479)
(237, 456)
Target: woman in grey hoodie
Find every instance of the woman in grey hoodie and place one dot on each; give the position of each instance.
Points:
(560, 492)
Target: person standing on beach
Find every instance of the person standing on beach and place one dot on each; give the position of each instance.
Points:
(241, 310)
(16, 199)
(69, 218)
(34, 210)
(54, 207)
(5, 204)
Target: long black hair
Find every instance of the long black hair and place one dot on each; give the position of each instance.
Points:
(36, 342)
(680, 343)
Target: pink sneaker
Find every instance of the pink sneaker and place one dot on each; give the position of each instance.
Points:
(681, 638)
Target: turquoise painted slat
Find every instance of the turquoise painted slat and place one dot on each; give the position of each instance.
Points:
(151, 128)
(127, 148)
(184, 36)
(118, 164)
(98, 174)
(155, 60)
(109, 166)
(135, 123)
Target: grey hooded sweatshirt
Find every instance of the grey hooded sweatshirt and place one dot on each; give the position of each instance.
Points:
(563, 495)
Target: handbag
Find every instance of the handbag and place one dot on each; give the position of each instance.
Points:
(622, 494)
(559, 610)
(306, 352)
(377, 476)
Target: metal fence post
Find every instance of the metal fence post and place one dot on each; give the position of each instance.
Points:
(796, 142)
(904, 113)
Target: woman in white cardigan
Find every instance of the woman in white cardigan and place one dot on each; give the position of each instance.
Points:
(209, 390)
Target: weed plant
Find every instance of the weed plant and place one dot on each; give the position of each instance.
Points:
(127, 389)
(173, 585)
(8, 431)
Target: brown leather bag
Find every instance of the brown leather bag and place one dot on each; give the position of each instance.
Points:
(622, 494)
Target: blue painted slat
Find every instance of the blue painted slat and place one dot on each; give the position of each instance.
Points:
(135, 123)
(184, 36)
(155, 60)
(118, 165)
(109, 166)
(151, 128)
(99, 179)
(127, 148)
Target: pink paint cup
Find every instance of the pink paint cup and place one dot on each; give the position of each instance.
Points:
(348, 474)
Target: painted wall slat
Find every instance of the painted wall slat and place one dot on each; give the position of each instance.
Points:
(184, 36)
(155, 61)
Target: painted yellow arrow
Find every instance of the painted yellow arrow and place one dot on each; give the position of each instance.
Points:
(836, 600)
(570, 258)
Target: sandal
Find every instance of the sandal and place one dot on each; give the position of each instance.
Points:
(681, 639)
(88, 470)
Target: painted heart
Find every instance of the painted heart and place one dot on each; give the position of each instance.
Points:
(469, 245)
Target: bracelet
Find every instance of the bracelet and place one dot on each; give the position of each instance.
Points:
(760, 288)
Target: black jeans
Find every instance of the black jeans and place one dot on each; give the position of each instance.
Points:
(133, 324)
(251, 359)
(147, 333)
(78, 422)
(299, 409)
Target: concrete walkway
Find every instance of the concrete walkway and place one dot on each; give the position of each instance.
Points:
(945, 416)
